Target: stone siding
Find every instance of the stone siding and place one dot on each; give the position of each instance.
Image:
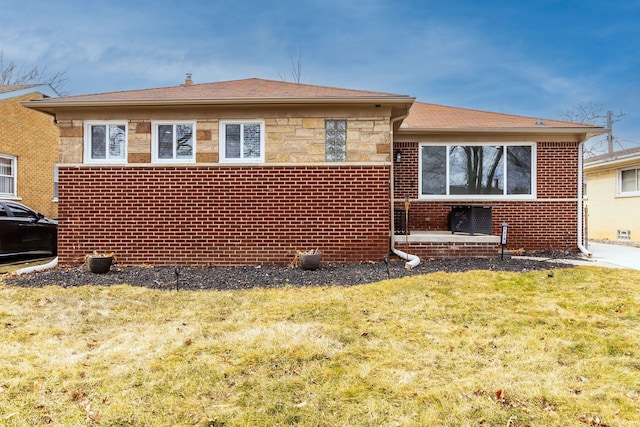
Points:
(296, 140)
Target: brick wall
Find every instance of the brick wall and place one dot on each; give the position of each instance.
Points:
(32, 138)
(451, 250)
(547, 223)
(223, 215)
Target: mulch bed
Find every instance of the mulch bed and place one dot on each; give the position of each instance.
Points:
(270, 276)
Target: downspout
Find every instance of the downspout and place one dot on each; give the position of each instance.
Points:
(412, 260)
(50, 264)
(581, 246)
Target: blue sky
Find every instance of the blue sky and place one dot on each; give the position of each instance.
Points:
(536, 58)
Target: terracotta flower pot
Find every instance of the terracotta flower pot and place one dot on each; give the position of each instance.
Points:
(310, 261)
(99, 264)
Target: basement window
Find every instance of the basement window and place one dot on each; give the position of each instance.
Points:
(624, 234)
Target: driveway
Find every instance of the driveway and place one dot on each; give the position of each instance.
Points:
(611, 255)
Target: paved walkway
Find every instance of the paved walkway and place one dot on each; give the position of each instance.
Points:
(606, 255)
(611, 255)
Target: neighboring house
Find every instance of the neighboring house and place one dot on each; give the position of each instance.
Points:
(28, 149)
(613, 195)
(250, 171)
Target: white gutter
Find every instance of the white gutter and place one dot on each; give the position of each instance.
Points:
(41, 267)
(412, 260)
(581, 246)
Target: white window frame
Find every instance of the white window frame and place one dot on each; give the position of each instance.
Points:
(87, 142)
(154, 141)
(56, 182)
(14, 176)
(635, 192)
(222, 141)
(464, 197)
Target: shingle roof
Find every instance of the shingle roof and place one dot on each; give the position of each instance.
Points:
(628, 153)
(431, 116)
(422, 116)
(248, 89)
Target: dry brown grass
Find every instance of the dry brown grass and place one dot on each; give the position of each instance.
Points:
(477, 348)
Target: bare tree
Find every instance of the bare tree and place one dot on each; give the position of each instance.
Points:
(12, 74)
(596, 114)
(296, 69)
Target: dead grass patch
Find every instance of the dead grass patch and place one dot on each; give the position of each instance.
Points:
(477, 348)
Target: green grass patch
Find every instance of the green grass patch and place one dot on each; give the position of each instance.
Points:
(475, 348)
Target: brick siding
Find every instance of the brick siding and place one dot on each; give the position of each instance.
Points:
(547, 223)
(451, 250)
(221, 215)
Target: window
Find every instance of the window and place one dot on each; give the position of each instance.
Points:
(629, 181)
(55, 183)
(335, 140)
(242, 141)
(105, 142)
(477, 171)
(174, 142)
(7, 176)
(20, 211)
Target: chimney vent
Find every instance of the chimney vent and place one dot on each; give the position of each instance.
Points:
(188, 81)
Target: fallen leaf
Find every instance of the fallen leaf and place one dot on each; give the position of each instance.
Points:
(591, 421)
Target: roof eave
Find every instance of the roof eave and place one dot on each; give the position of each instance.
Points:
(51, 105)
(612, 162)
(589, 132)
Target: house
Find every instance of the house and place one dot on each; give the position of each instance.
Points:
(613, 195)
(250, 171)
(28, 149)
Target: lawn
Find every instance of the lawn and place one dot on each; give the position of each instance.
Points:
(445, 349)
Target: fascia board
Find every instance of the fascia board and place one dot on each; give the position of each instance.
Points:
(46, 90)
